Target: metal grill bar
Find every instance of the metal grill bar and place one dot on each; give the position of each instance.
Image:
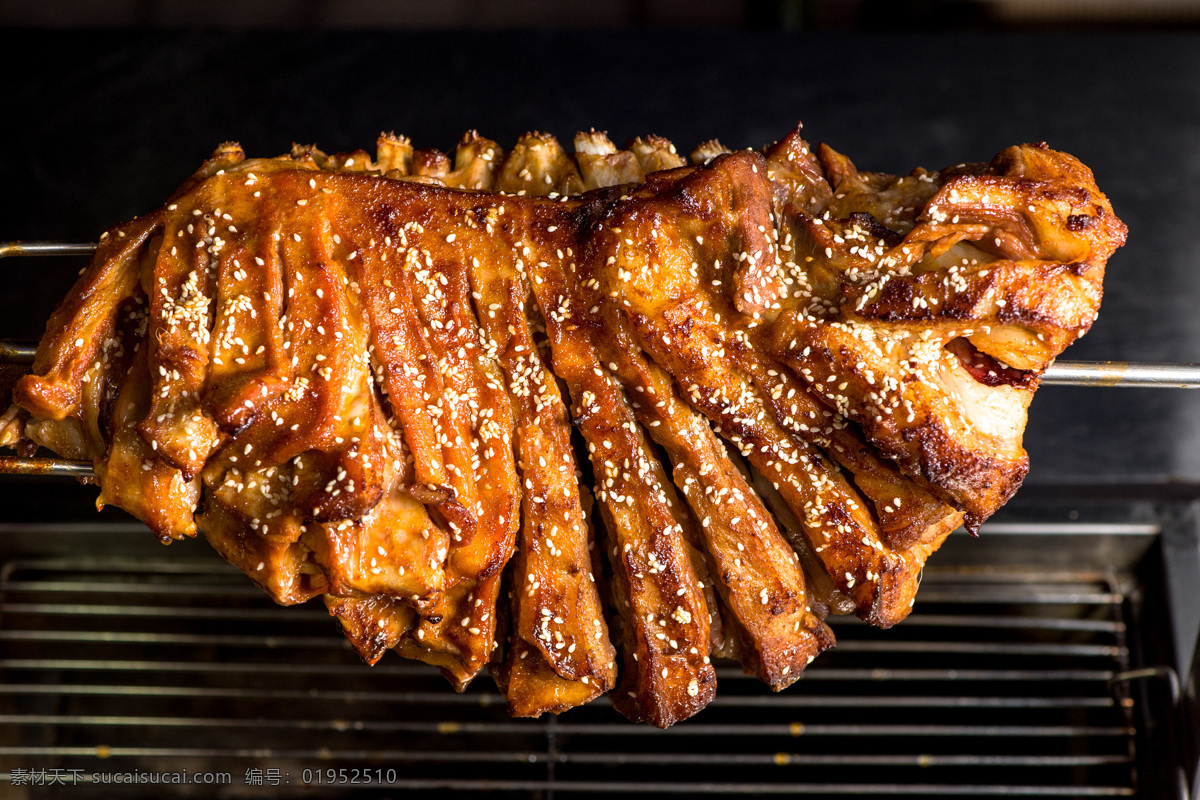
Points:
(208, 640)
(777, 759)
(1016, 649)
(300, 615)
(1023, 597)
(1000, 686)
(326, 642)
(980, 621)
(125, 588)
(857, 789)
(414, 669)
(808, 731)
(449, 729)
(1126, 374)
(494, 698)
(866, 759)
(173, 612)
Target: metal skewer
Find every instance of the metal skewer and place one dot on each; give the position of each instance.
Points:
(1068, 373)
(1122, 373)
(1126, 374)
(1063, 373)
(9, 249)
(15, 465)
(16, 352)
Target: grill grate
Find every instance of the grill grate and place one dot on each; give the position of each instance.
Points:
(998, 684)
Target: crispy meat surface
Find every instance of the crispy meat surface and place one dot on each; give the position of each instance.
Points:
(936, 301)
(789, 380)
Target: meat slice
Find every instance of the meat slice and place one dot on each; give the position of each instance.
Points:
(483, 513)
(130, 474)
(1006, 256)
(756, 572)
(682, 295)
(78, 331)
(250, 364)
(180, 318)
(665, 625)
(559, 653)
(374, 624)
(665, 622)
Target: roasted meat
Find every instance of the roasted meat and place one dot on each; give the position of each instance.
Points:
(789, 381)
(938, 301)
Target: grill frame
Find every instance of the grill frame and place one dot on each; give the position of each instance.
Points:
(985, 568)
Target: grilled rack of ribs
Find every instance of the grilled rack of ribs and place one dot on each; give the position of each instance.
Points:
(383, 381)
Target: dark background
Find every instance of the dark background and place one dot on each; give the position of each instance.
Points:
(106, 105)
(102, 118)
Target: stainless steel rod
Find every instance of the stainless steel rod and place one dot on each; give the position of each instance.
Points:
(16, 465)
(1129, 374)
(16, 352)
(9, 249)
(1066, 373)
(1123, 373)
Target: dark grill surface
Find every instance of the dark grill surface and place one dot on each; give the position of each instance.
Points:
(998, 684)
